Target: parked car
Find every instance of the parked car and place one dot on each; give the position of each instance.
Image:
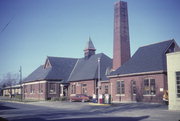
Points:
(80, 97)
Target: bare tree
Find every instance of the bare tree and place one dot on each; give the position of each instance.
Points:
(9, 80)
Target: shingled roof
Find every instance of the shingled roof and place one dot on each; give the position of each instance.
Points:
(59, 69)
(70, 69)
(86, 69)
(148, 58)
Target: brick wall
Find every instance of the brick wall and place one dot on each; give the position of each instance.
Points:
(90, 87)
(160, 85)
(35, 94)
(103, 89)
(40, 90)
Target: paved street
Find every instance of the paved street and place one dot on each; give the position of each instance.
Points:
(76, 111)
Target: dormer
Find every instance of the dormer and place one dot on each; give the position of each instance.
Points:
(173, 47)
(47, 64)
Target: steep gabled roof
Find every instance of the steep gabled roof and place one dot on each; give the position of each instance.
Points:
(146, 59)
(60, 69)
(69, 69)
(87, 69)
(90, 45)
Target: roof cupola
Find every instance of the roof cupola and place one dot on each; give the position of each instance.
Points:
(89, 49)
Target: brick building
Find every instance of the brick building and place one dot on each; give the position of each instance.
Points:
(142, 77)
(84, 77)
(60, 77)
(49, 80)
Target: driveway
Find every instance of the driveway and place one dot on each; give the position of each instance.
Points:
(66, 111)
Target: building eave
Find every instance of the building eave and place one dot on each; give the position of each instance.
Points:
(136, 74)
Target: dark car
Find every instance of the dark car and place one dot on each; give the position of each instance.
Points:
(80, 97)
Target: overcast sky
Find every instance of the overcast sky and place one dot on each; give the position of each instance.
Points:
(31, 30)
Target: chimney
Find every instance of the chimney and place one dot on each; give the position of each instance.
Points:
(121, 49)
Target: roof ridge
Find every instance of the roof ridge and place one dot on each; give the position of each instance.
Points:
(61, 57)
(157, 43)
(72, 70)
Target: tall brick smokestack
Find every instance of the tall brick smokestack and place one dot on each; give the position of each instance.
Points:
(121, 49)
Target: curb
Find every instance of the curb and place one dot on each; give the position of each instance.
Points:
(98, 104)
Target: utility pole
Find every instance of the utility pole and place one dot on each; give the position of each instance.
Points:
(20, 73)
(99, 76)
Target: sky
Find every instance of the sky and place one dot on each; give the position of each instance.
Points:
(31, 30)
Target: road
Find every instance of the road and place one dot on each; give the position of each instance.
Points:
(76, 111)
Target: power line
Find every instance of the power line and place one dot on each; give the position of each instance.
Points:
(7, 24)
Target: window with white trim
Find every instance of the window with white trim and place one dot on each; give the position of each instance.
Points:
(149, 87)
(84, 89)
(31, 88)
(178, 83)
(73, 89)
(40, 88)
(120, 88)
(52, 88)
(106, 89)
(133, 83)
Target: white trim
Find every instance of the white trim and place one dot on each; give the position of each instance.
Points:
(132, 74)
(57, 82)
(149, 95)
(37, 82)
(52, 92)
(72, 94)
(14, 86)
(120, 94)
(104, 81)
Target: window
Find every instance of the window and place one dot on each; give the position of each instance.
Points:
(106, 89)
(149, 87)
(73, 89)
(84, 89)
(52, 88)
(31, 89)
(133, 87)
(25, 89)
(40, 88)
(178, 83)
(120, 87)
